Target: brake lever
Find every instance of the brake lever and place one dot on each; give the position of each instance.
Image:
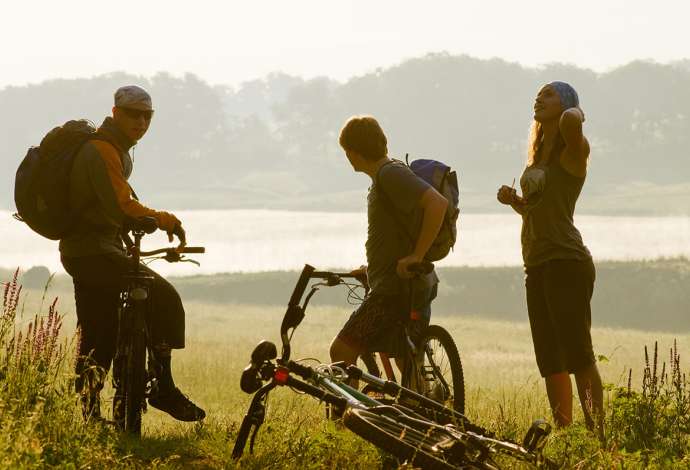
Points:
(172, 256)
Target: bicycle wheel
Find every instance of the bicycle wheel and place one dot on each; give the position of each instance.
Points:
(415, 441)
(437, 374)
(129, 370)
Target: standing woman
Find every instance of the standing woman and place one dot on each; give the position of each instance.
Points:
(559, 269)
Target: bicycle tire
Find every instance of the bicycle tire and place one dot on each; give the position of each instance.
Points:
(413, 444)
(129, 368)
(451, 363)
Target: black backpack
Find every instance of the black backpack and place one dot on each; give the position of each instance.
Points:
(41, 186)
(445, 181)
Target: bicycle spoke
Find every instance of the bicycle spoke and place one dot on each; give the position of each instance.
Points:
(442, 365)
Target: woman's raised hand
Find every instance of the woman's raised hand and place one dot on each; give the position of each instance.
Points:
(506, 195)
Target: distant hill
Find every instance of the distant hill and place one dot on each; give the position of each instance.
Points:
(644, 295)
(273, 142)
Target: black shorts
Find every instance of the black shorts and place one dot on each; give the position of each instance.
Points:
(558, 302)
(378, 324)
(98, 281)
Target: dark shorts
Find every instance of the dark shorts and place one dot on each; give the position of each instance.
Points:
(97, 285)
(558, 302)
(378, 324)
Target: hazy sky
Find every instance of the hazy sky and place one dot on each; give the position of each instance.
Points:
(230, 41)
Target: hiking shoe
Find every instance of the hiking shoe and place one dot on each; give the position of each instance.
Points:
(177, 405)
(91, 405)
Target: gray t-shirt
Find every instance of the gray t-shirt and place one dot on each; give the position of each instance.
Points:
(548, 228)
(392, 236)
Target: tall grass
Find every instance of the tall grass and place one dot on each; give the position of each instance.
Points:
(657, 418)
(41, 424)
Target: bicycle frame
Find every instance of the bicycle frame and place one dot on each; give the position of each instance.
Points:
(135, 377)
(295, 313)
(135, 305)
(333, 391)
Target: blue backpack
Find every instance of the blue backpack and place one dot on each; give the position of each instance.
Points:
(445, 181)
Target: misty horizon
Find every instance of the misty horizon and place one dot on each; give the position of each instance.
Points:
(272, 142)
(682, 63)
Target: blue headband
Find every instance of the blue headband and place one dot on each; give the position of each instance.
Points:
(567, 93)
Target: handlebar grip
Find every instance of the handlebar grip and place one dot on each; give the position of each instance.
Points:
(301, 285)
(305, 372)
(317, 392)
(144, 224)
(423, 267)
(194, 249)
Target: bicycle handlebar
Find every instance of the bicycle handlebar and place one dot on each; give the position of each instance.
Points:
(423, 267)
(328, 274)
(142, 224)
(301, 285)
(295, 312)
(186, 249)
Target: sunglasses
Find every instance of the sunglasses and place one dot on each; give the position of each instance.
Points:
(137, 113)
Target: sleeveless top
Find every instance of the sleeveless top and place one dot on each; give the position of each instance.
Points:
(548, 230)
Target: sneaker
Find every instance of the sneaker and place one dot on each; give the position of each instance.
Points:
(177, 405)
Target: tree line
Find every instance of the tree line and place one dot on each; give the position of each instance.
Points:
(272, 142)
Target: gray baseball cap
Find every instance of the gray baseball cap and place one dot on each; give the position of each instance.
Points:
(133, 96)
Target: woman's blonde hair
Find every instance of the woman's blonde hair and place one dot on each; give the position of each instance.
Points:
(536, 138)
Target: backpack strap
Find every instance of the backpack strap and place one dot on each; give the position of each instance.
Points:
(389, 203)
(104, 137)
(134, 195)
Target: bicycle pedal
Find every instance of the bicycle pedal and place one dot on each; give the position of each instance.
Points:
(332, 413)
(452, 447)
(428, 371)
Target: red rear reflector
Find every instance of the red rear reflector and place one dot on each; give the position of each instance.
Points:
(414, 315)
(281, 375)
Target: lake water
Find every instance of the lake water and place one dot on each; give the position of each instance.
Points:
(261, 240)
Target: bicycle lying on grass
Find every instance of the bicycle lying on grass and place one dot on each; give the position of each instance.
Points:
(413, 427)
(430, 359)
(133, 379)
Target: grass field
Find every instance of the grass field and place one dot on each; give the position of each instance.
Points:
(504, 393)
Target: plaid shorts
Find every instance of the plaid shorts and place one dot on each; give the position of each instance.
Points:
(377, 325)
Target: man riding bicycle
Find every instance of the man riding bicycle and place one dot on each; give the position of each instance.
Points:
(94, 255)
(399, 203)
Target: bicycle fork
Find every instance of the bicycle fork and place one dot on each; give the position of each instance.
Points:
(253, 419)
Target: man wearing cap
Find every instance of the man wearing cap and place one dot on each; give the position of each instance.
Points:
(94, 255)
